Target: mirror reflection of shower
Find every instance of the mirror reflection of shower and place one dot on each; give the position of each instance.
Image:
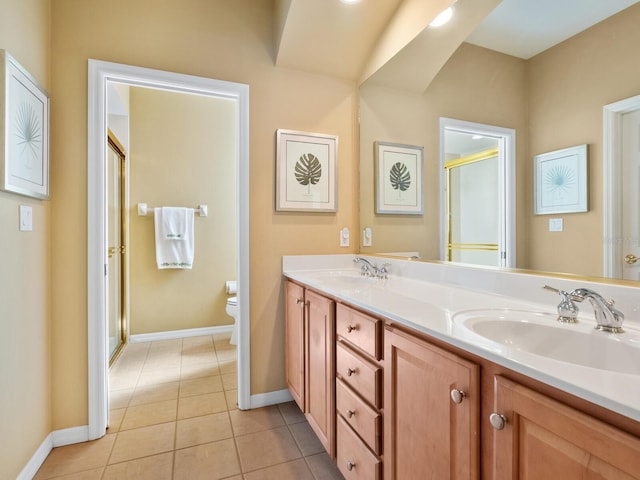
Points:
(475, 218)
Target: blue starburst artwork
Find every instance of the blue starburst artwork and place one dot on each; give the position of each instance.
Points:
(561, 181)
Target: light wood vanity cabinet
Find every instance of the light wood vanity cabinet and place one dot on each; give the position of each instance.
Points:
(310, 358)
(431, 411)
(358, 394)
(537, 437)
(390, 402)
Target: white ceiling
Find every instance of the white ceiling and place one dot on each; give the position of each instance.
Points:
(329, 37)
(524, 28)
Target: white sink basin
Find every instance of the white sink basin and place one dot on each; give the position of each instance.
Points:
(540, 334)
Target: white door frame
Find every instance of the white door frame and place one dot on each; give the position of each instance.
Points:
(99, 74)
(507, 176)
(612, 180)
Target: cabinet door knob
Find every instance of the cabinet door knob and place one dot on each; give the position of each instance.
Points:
(298, 301)
(351, 371)
(351, 466)
(351, 328)
(457, 395)
(497, 421)
(631, 259)
(350, 413)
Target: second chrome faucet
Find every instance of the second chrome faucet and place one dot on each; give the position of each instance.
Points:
(608, 318)
(371, 269)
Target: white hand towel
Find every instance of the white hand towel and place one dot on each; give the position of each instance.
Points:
(174, 222)
(170, 253)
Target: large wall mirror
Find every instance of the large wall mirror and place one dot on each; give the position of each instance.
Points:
(552, 98)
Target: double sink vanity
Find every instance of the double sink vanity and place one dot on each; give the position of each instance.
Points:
(413, 370)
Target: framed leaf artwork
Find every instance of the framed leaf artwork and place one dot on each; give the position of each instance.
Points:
(560, 181)
(306, 171)
(24, 131)
(399, 179)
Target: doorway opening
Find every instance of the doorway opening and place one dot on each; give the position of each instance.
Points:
(620, 151)
(101, 74)
(477, 196)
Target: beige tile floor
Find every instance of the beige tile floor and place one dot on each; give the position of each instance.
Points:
(173, 415)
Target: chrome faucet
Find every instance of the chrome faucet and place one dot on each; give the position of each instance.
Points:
(371, 269)
(608, 318)
(368, 269)
(567, 310)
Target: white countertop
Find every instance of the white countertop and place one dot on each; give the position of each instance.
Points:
(416, 296)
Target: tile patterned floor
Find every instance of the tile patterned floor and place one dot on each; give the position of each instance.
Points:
(173, 415)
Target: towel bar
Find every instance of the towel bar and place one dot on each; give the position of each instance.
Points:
(144, 210)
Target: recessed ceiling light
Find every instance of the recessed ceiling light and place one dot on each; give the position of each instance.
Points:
(476, 137)
(350, 2)
(442, 18)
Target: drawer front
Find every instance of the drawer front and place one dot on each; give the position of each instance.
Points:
(359, 329)
(361, 417)
(354, 459)
(362, 376)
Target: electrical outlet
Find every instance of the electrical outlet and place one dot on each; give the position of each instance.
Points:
(344, 237)
(366, 237)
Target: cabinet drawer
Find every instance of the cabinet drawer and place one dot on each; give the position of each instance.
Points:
(361, 375)
(354, 459)
(359, 329)
(361, 417)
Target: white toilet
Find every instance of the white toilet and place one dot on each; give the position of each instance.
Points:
(232, 311)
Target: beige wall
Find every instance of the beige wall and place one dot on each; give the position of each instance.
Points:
(25, 265)
(568, 86)
(476, 85)
(182, 154)
(205, 38)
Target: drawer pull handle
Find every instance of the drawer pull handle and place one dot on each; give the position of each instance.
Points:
(351, 371)
(351, 466)
(350, 413)
(457, 396)
(351, 328)
(497, 421)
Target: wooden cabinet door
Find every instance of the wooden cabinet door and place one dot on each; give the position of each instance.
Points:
(320, 368)
(426, 434)
(294, 341)
(544, 439)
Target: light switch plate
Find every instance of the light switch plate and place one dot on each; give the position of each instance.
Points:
(26, 218)
(556, 225)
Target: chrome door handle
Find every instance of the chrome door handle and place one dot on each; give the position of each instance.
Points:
(497, 421)
(457, 396)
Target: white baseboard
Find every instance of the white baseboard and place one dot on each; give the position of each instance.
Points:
(57, 438)
(37, 459)
(71, 435)
(270, 398)
(173, 334)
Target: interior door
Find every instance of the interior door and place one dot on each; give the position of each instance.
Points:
(116, 247)
(631, 195)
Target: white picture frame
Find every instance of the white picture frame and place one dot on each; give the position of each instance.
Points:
(399, 179)
(306, 172)
(24, 131)
(561, 181)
